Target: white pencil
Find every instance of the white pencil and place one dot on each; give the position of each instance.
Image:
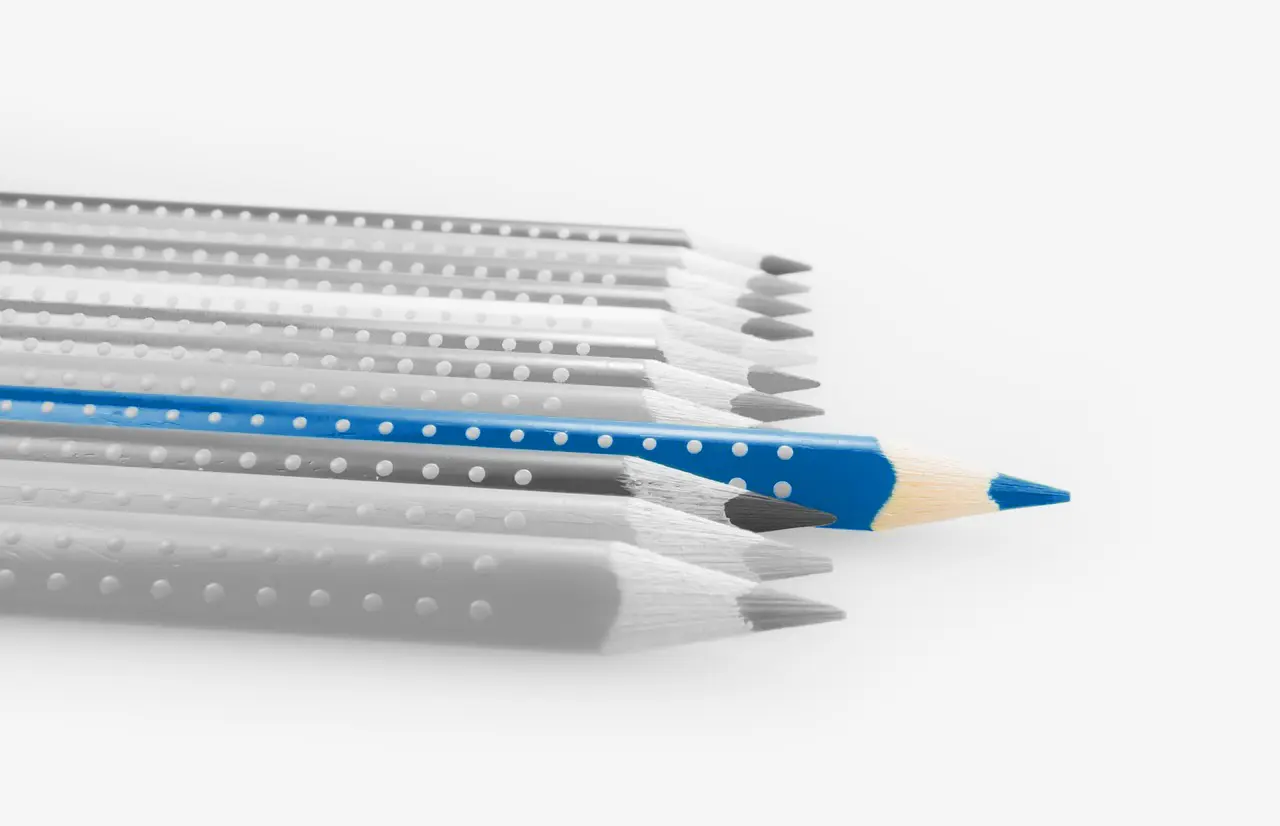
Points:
(477, 589)
(90, 286)
(182, 493)
(94, 331)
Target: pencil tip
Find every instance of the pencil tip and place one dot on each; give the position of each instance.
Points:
(777, 265)
(772, 285)
(766, 609)
(764, 407)
(758, 514)
(1009, 492)
(769, 305)
(771, 329)
(776, 381)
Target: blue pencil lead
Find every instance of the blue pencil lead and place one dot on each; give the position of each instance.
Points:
(1010, 492)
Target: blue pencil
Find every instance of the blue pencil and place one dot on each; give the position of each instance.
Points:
(864, 484)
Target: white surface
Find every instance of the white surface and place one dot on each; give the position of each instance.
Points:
(1040, 231)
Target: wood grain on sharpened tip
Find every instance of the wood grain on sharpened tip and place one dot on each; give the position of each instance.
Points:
(90, 287)
(644, 241)
(43, 306)
(475, 589)
(522, 512)
(863, 484)
(92, 430)
(138, 249)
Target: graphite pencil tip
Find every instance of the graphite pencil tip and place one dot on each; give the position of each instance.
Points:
(777, 265)
(775, 381)
(1009, 492)
(766, 609)
(769, 305)
(757, 513)
(764, 407)
(772, 285)
(771, 329)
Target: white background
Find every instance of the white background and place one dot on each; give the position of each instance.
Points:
(1045, 235)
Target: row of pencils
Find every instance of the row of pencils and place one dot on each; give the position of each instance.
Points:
(426, 427)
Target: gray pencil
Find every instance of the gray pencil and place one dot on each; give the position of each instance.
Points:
(532, 241)
(105, 333)
(406, 273)
(247, 310)
(99, 443)
(396, 505)
(476, 589)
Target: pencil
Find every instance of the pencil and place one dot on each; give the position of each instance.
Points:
(736, 312)
(174, 371)
(476, 589)
(240, 251)
(488, 376)
(645, 241)
(181, 493)
(34, 299)
(299, 304)
(84, 428)
(863, 483)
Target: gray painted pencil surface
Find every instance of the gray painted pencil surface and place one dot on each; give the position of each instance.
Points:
(151, 490)
(650, 243)
(202, 341)
(298, 306)
(33, 301)
(278, 264)
(98, 443)
(478, 589)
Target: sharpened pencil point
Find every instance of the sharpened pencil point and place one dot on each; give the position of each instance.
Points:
(766, 609)
(771, 329)
(770, 306)
(772, 285)
(757, 513)
(764, 407)
(1009, 492)
(777, 265)
(776, 381)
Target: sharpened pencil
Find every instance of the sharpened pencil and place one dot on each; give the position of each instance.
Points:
(740, 313)
(181, 493)
(477, 589)
(244, 254)
(82, 431)
(645, 241)
(34, 300)
(93, 335)
(301, 304)
(863, 483)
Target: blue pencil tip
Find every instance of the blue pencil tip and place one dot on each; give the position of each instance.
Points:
(1010, 492)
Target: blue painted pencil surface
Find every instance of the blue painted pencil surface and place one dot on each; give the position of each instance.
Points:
(866, 485)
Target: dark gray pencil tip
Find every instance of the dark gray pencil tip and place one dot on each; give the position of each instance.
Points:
(757, 513)
(772, 285)
(777, 265)
(775, 381)
(766, 609)
(766, 408)
(770, 306)
(771, 329)
(779, 563)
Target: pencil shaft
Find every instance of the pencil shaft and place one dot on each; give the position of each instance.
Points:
(864, 484)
